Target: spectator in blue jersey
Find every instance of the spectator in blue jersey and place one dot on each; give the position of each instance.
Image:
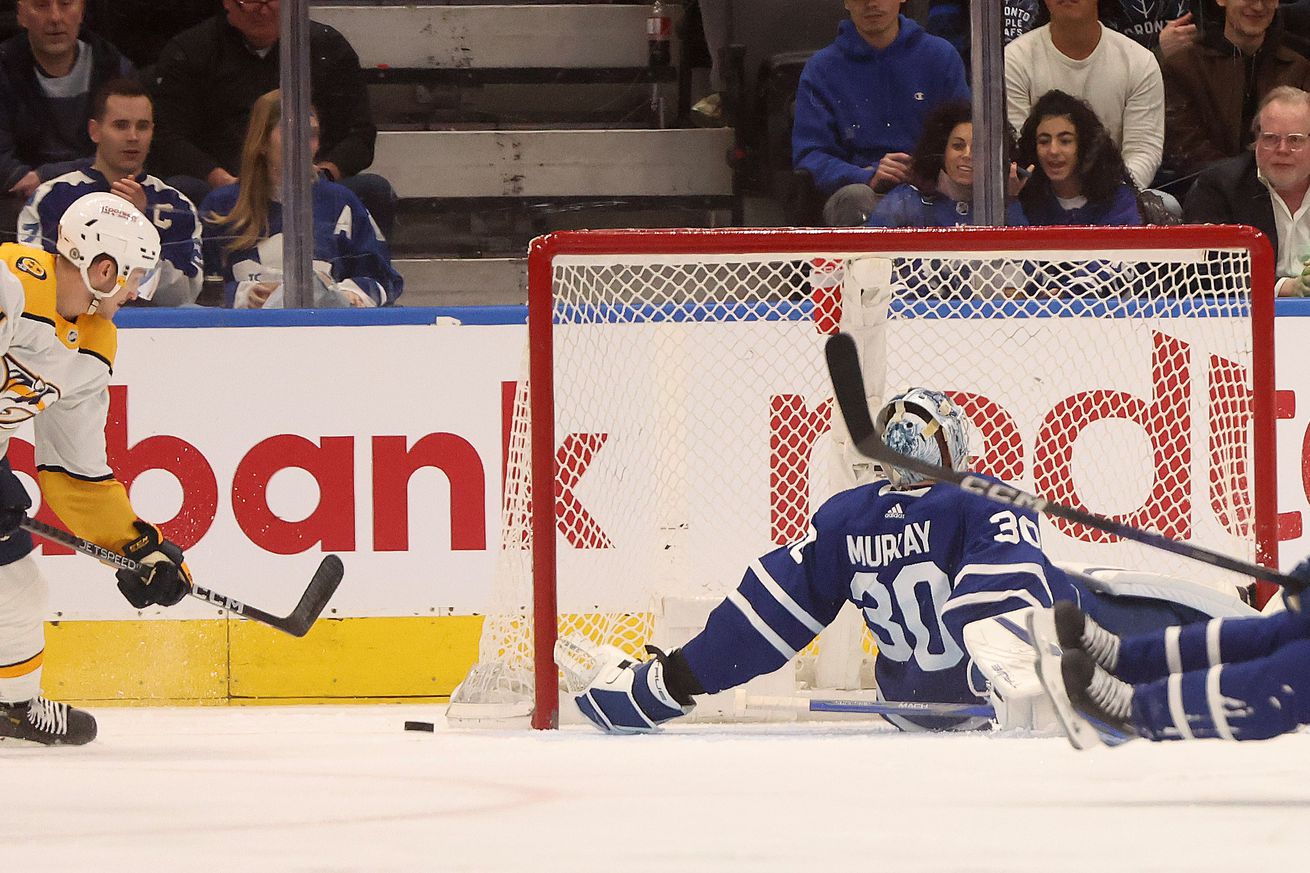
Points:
(940, 190)
(861, 104)
(208, 78)
(243, 230)
(937, 572)
(1078, 174)
(47, 76)
(121, 126)
(1229, 679)
(951, 20)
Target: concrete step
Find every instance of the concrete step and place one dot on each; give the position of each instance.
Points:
(569, 36)
(556, 163)
(464, 282)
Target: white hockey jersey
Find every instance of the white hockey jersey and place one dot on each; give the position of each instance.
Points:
(57, 372)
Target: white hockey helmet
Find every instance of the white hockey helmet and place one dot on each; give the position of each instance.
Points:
(927, 425)
(106, 224)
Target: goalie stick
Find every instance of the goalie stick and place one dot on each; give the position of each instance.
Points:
(317, 594)
(848, 385)
(920, 708)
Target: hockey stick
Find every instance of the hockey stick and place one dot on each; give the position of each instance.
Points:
(319, 591)
(921, 709)
(848, 385)
(912, 708)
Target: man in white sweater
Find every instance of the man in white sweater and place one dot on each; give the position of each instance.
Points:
(1119, 78)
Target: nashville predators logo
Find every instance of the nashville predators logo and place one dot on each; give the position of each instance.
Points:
(31, 266)
(23, 394)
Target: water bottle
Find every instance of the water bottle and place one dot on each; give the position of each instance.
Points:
(659, 31)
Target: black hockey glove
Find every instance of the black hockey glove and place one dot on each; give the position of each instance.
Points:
(14, 502)
(162, 578)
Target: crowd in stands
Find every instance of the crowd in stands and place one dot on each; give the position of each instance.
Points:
(159, 102)
(1121, 108)
(1118, 109)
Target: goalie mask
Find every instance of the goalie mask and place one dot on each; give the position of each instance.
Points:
(927, 425)
(105, 224)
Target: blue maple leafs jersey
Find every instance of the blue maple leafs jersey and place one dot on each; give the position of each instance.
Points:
(920, 565)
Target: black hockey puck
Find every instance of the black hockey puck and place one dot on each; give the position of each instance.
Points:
(420, 726)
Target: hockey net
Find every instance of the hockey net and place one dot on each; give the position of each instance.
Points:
(679, 412)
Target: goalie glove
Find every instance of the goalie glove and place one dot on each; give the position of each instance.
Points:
(162, 577)
(617, 693)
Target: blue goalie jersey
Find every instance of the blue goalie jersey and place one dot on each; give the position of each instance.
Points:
(920, 565)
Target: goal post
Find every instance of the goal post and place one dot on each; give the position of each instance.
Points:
(677, 413)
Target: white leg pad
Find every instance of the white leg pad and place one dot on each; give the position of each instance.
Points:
(23, 605)
(1002, 650)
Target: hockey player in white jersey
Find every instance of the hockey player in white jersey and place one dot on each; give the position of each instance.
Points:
(57, 341)
(939, 575)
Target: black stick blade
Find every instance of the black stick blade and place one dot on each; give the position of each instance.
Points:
(312, 603)
(848, 387)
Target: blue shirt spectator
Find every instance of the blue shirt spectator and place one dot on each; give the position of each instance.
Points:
(862, 101)
(243, 229)
(349, 253)
(122, 125)
(940, 190)
(950, 19)
(177, 279)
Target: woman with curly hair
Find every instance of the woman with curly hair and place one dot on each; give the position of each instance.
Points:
(1078, 176)
(940, 190)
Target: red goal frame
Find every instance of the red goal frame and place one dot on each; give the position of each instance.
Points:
(544, 250)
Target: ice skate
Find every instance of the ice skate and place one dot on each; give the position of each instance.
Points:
(1041, 627)
(1104, 702)
(1076, 629)
(46, 722)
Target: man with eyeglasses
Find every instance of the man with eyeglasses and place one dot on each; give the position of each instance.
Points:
(209, 77)
(1212, 88)
(1267, 187)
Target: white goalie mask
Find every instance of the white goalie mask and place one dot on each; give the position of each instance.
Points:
(927, 425)
(106, 224)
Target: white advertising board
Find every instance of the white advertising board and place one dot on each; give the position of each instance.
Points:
(268, 446)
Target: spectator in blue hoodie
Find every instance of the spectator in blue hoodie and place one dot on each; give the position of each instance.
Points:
(862, 102)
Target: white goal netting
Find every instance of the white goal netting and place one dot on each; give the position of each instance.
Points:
(688, 424)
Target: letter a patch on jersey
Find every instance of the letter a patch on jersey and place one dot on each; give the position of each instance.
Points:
(31, 266)
(895, 512)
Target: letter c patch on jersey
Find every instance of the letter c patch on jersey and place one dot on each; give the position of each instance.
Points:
(31, 266)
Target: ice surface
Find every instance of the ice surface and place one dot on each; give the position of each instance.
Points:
(336, 789)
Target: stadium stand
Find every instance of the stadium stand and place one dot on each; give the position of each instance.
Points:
(501, 122)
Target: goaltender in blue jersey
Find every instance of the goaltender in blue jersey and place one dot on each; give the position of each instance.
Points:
(939, 574)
